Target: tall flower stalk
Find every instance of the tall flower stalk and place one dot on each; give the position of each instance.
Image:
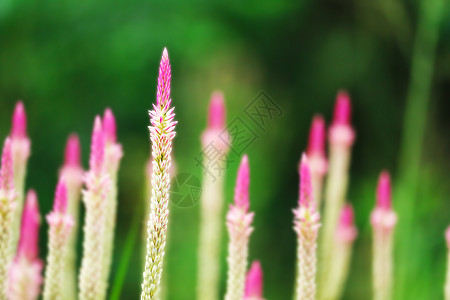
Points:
(98, 186)
(113, 154)
(7, 209)
(254, 283)
(161, 134)
(346, 233)
(447, 280)
(306, 225)
(341, 138)
(212, 202)
(20, 144)
(72, 174)
(25, 277)
(383, 220)
(317, 157)
(60, 227)
(239, 221)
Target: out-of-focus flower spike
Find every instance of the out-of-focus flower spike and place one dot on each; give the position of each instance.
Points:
(72, 155)
(25, 277)
(239, 222)
(109, 126)
(254, 282)
(19, 122)
(97, 147)
(384, 191)
(346, 230)
(216, 115)
(343, 109)
(6, 172)
(447, 280)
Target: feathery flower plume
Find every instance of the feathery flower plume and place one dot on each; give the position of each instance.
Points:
(341, 137)
(239, 221)
(7, 210)
(345, 234)
(113, 154)
(161, 134)
(212, 202)
(25, 277)
(72, 174)
(306, 225)
(98, 186)
(317, 157)
(20, 145)
(254, 283)
(447, 280)
(383, 220)
(60, 227)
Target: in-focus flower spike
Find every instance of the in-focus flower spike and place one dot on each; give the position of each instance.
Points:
(447, 280)
(161, 134)
(25, 277)
(20, 144)
(239, 222)
(98, 186)
(317, 157)
(346, 233)
(383, 220)
(215, 137)
(60, 227)
(72, 174)
(113, 154)
(306, 225)
(341, 137)
(7, 212)
(254, 282)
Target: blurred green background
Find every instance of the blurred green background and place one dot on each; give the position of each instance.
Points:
(69, 60)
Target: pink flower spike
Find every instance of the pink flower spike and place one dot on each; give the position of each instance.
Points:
(316, 145)
(216, 115)
(29, 231)
(447, 236)
(19, 122)
(163, 90)
(342, 109)
(384, 191)
(346, 230)
(242, 183)
(306, 197)
(6, 172)
(109, 126)
(254, 282)
(72, 155)
(97, 147)
(60, 204)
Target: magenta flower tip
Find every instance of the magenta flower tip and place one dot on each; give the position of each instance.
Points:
(447, 236)
(317, 135)
(6, 172)
(72, 155)
(19, 121)
(241, 197)
(163, 90)
(384, 198)
(306, 197)
(97, 147)
(29, 231)
(109, 125)
(216, 115)
(347, 216)
(346, 230)
(254, 282)
(60, 204)
(342, 110)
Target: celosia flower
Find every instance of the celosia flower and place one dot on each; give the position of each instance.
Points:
(113, 154)
(60, 227)
(7, 208)
(239, 222)
(383, 220)
(317, 157)
(25, 277)
(306, 225)
(161, 134)
(447, 280)
(72, 174)
(20, 145)
(254, 283)
(341, 137)
(215, 138)
(98, 186)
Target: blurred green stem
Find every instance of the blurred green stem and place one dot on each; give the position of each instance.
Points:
(423, 59)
